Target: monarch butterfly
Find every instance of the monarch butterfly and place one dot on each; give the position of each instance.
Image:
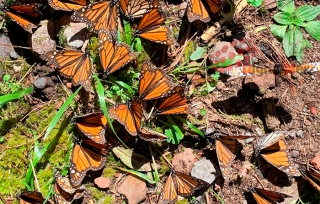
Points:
(273, 149)
(27, 11)
(132, 9)
(113, 56)
(226, 149)
(150, 135)
(179, 184)
(99, 15)
(150, 28)
(70, 5)
(85, 156)
(262, 196)
(64, 192)
(31, 197)
(197, 10)
(129, 115)
(176, 103)
(153, 83)
(312, 176)
(72, 64)
(93, 126)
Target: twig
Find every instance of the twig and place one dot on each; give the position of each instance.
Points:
(258, 180)
(35, 175)
(2, 198)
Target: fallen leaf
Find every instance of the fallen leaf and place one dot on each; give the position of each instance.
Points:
(133, 160)
(315, 161)
(102, 182)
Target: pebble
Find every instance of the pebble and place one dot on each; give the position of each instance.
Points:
(318, 134)
(299, 133)
(307, 122)
(220, 85)
(16, 68)
(295, 153)
(13, 55)
(248, 140)
(40, 83)
(292, 135)
(204, 170)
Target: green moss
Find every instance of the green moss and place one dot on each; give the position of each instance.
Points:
(96, 193)
(164, 166)
(184, 201)
(189, 50)
(62, 38)
(109, 172)
(108, 199)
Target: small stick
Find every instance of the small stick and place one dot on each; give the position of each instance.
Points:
(35, 176)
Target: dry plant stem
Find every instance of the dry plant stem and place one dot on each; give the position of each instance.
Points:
(2, 198)
(110, 100)
(15, 46)
(84, 46)
(35, 176)
(258, 180)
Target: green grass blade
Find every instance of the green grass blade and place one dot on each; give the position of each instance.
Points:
(10, 97)
(126, 86)
(137, 173)
(61, 112)
(127, 31)
(190, 125)
(102, 102)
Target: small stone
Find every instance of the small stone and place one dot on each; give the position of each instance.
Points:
(134, 189)
(102, 182)
(13, 55)
(5, 50)
(40, 83)
(205, 171)
(184, 161)
(75, 34)
(292, 135)
(299, 133)
(318, 134)
(220, 85)
(16, 68)
(307, 122)
(248, 140)
(295, 153)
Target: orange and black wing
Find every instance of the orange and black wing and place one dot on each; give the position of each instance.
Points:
(151, 28)
(313, 177)
(64, 192)
(214, 6)
(196, 11)
(225, 150)
(267, 197)
(185, 184)
(278, 156)
(21, 14)
(31, 197)
(72, 5)
(99, 15)
(129, 115)
(132, 9)
(176, 103)
(169, 194)
(153, 83)
(113, 56)
(84, 157)
(150, 135)
(93, 126)
(72, 64)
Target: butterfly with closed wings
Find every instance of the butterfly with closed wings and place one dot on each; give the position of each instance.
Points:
(179, 184)
(64, 192)
(273, 148)
(32, 197)
(71, 64)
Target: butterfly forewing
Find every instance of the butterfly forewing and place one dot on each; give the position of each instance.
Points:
(313, 177)
(169, 194)
(185, 184)
(134, 8)
(32, 197)
(197, 11)
(225, 157)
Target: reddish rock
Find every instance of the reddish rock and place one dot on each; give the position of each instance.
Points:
(102, 182)
(184, 161)
(134, 189)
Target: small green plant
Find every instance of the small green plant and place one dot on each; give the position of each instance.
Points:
(291, 21)
(203, 111)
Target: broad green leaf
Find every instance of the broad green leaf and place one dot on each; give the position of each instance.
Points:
(278, 30)
(10, 97)
(174, 134)
(6, 78)
(133, 160)
(141, 175)
(313, 28)
(288, 43)
(197, 54)
(297, 21)
(307, 12)
(61, 112)
(283, 18)
(286, 5)
(298, 40)
(255, 3)
(127, 31)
